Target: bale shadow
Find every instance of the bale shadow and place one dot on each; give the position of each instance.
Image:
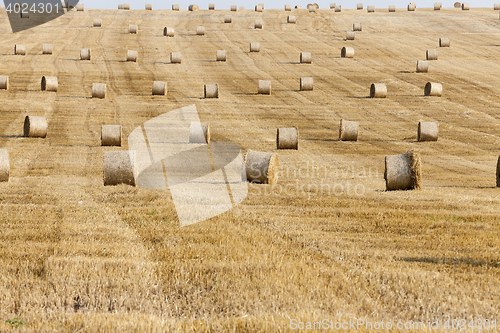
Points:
(452, 261)
(406, 72)
(11, 136)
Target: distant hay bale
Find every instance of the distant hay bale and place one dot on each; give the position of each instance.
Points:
(175, 7)
(291, 19)
(457, 4)
(120, 6)
(98, 90)
(347, 52)
(403, 172)
(175, 57)
(258, 24)
(25, 15)
(200, 30)
(159, 88)
(261, 167)
(431, 54)
(433, 89)
(333, 5)
(148, 6)
(338, 9)
(97, 23)
(370, 9)
(47, 49)
(311, 8)
(437, 6)
(392, 8)
(211, 91)
(258, 8)
(20, 49)
(498, 172)
(132, 28)
(4, 82)
(4, 165)
(298, 7)
(132, 56)
(348, 130)
(414, 4)
(427, 131)
(288, 8)
(234, 8)
(496, 6)
(444, 42)
(64, 4)
(85, 54)
(378, 90)
(168, 31)
(254, 47)
(287, 138)
(119, 167)
(350, 35)
(80, 7)
(126, 6)
(261, 4)
(35, 127)
(221, 55)
(111, 135)
(264, 87)
(199, 132)
(228, 19)
(411, 7)
(193, 8)
(211, 6)
(465, 6)
(49, 83)
(422, 66)
(305, 57)
(306, 83)
(359, 6)
(356, 27)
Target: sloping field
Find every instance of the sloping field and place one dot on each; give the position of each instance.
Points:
(326, 242)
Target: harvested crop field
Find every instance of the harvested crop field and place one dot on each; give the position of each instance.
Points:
(326, 242)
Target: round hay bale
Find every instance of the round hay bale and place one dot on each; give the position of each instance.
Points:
(403, 172)
(411, 7)
(120, 6)
(348, 130)
(258, 8)
(350, 35)
(422, 66)
(465, 6)
(199, 132)
(64, 4)
(193, 8)
(119, 167)
(437, 6)
(261, 4)
(228, 19)
(496, 6)
(444, 42)
(338, 9)
(111, 135)
(287, 138)
(258, 24)
(311, 8)
(234, 8)
(498, 172)
(347, 52)
(254, 47)
(356, 27)
(378, 90)
(4, 82)
(175, 57)
(359, 6)
(211, 6)
(431, 54)
(305, 57)
(392, 9)
(211, 91)
(98, 90)
(49, 83)
(159, 88)
(168, 32)
(47, 49)
(148, 6)
(316, 5)
(97, 23)
(306, 83)
(132, 28)
(221, 55)
(370, 9)
(35, 127)
(332, 5)
(126, 6)
(262, 167)
(132, 56)
(85, 54)
(457, 4)
(288, 8)
(80, 7)
(25, 15)
(175, 7)
(20, 49)
(4, 165)
(427, 131)
(200, 30)
(298, 7)
(264, 87)
(291, 19)
(433, 89)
